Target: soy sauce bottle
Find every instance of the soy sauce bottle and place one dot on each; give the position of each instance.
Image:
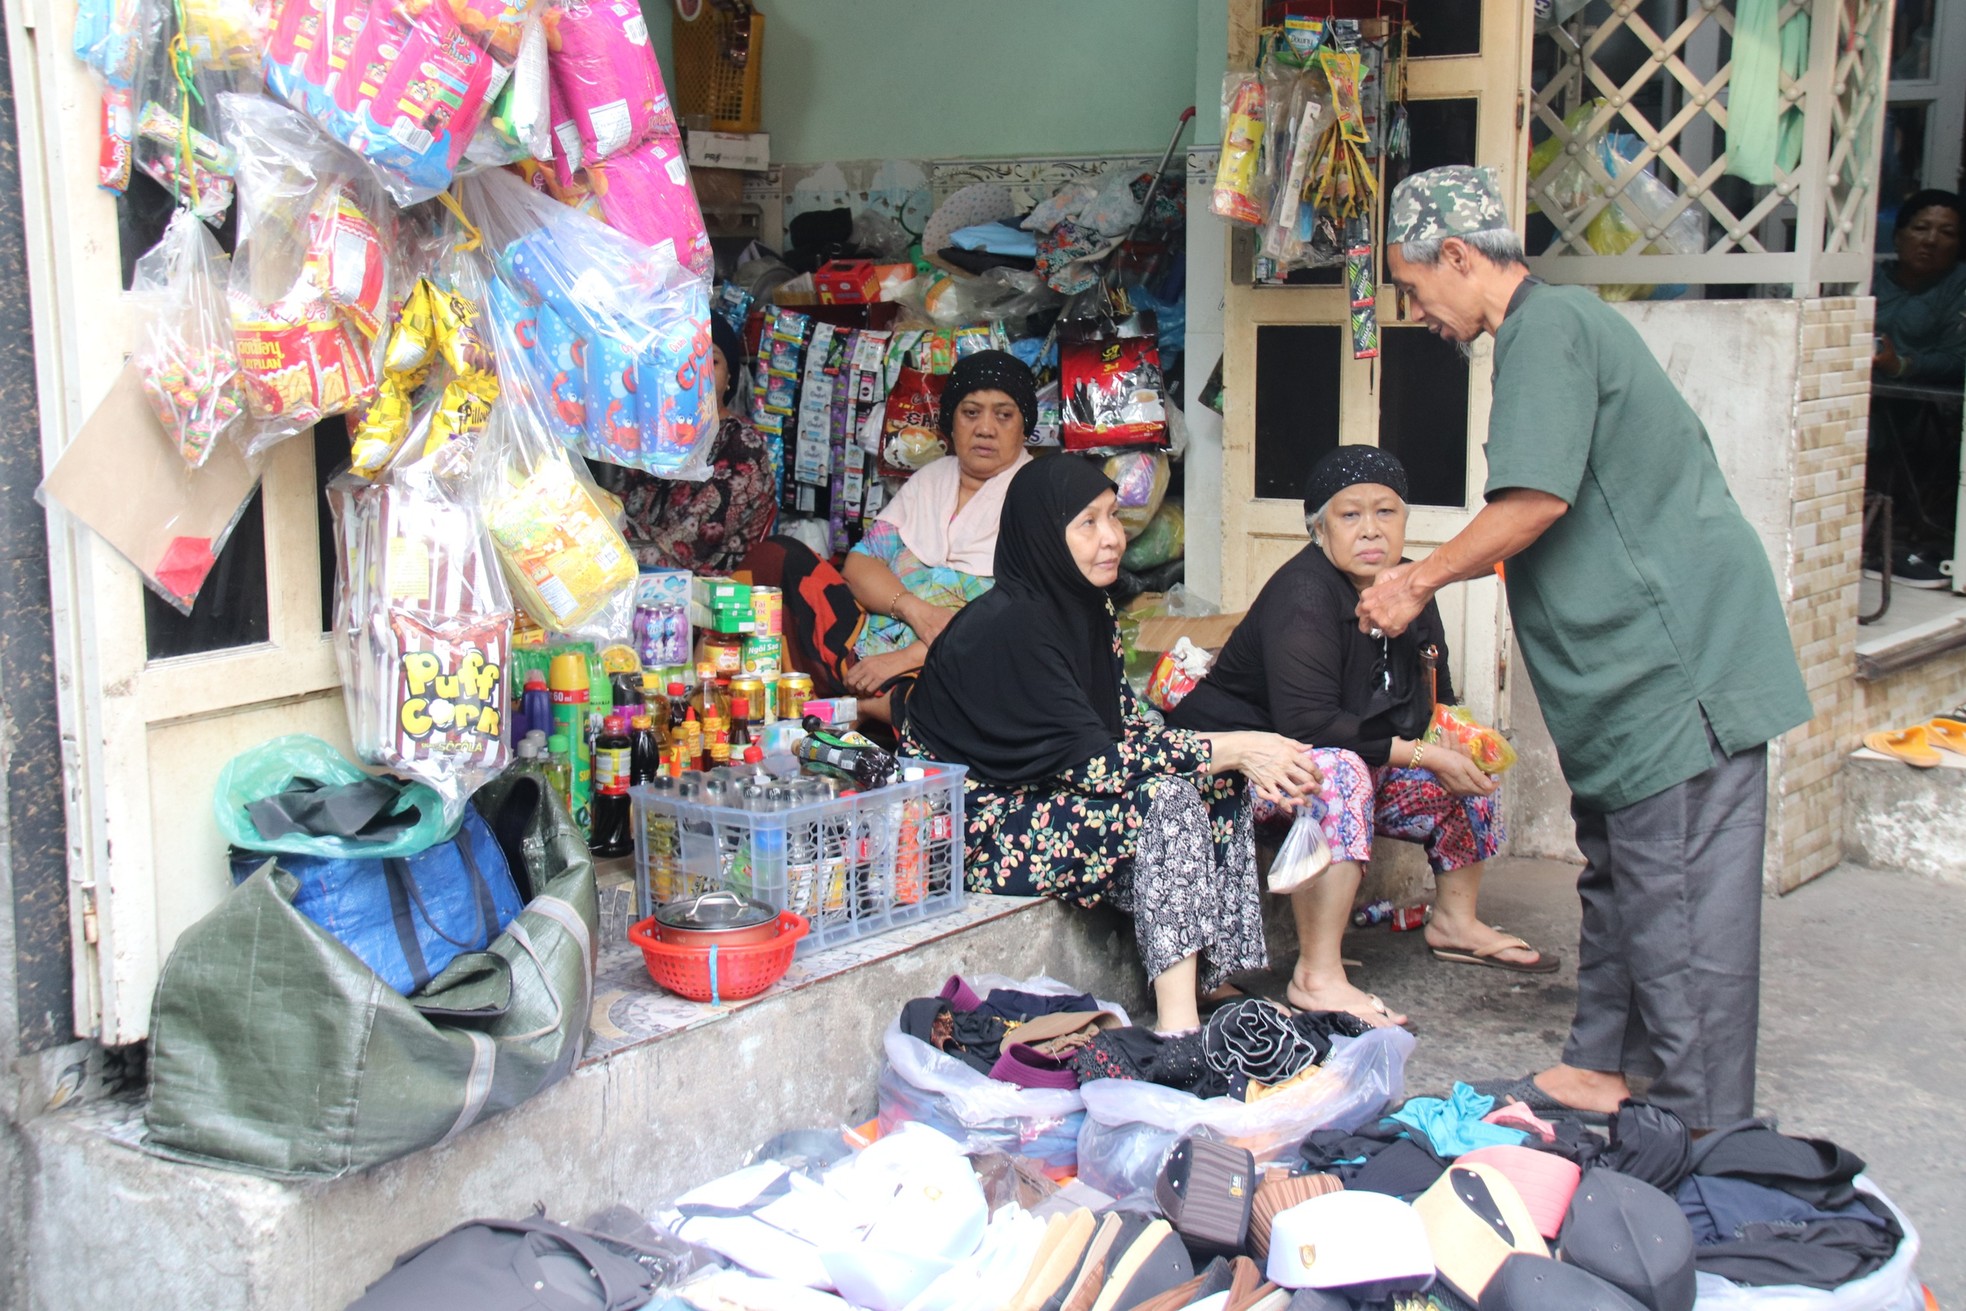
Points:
(613, 834)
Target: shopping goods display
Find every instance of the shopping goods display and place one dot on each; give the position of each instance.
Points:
(275, 1050)
(608, 90)
(604, 342)
(1111, 390)
(186, 358)
(440, 323)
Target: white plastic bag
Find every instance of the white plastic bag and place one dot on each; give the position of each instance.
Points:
(921, 1084)
(1130, 1125)
(1894, 1286)
(1304, 854)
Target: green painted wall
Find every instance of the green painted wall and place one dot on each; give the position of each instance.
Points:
(919, 79)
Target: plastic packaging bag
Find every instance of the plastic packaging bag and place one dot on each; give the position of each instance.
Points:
(276, 766)
(1130, 1125)
(608, 88)
(519, 125)
(1235, 197)
(646, 193)
(1894, 1286)
(1175, 674)
(1112, 391)
(1304, 854)
(1165, 538)
(439, 324)
(922, 1085)
(401, 83)
(566, 561)
(110, 36)
(1141, 477)
(423, 627)
(1457, 726)
(1620, 227)
(310, 285)
(174, 136)
(187, 361)
(606, 341)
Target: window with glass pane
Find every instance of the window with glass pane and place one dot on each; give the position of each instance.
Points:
(231, 608)
(1423, 413)
(1901, 171)
(1444, 27)
(1442, 132)
(1296, 403)
(1911, 40)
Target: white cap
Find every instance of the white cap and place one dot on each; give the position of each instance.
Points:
(1351, 1240)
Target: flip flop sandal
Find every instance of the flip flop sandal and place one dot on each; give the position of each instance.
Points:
(1545, 962)
(1911, 745)
(1947, 735)
(1526, 1091)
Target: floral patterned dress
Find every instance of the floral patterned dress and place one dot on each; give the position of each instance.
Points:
(1142, 827)
(708, 526)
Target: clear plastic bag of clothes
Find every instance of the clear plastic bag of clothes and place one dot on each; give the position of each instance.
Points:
(922, 1085)
(604, 340)
(1894, 1286)
(1130, 1125)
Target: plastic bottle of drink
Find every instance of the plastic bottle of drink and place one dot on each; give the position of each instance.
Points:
(626, 691)
(910, 881)
(691, 753)
(659, 842)
(645, 760)
(559, 769)
(566, 679)
(613, 770)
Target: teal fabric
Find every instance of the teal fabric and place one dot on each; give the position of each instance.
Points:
(1764, 131)
(1454, 1124)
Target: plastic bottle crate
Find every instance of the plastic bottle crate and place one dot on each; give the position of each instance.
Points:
(853, 865)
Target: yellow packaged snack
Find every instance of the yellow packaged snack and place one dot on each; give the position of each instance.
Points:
(563, 558)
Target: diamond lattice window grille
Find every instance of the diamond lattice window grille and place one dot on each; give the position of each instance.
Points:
(1657, 74)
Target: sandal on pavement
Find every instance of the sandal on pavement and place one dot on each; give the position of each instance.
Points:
(1530, 1094)
(1545, 962)
(1911, 745)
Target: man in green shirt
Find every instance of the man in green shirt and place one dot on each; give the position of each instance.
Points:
(1653, 633)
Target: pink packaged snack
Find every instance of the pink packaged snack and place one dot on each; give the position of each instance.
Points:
(646, 193)
(608, 91)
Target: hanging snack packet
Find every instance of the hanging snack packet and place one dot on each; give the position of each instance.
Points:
(1456, 726)
(1235, 196)
(646, 193)
(437, 324)
(110, 36)
(345, 257)
(1359, 277)
(1112, 392)
(609, 88)
(189, 369)
(911, 435)
(565, 561)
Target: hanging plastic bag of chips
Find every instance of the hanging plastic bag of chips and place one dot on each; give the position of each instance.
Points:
(646, 193)
(110, 37)
(609, 89)
(423, 628)
(441, 330)
(186, 359)
(310, 286)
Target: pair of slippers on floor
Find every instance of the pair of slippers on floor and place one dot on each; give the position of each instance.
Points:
(1919, 745)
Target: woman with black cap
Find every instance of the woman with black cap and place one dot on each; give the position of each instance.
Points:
(933, 548)
(1297, 664)
(1072, 792)
(705, 526)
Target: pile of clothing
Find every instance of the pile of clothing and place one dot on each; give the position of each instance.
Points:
(1248, 1049)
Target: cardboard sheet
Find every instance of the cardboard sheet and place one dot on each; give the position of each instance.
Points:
(122, 478)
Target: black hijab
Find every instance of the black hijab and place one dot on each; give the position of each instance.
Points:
(1022, 684)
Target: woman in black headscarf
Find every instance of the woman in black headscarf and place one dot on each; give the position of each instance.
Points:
(1073, 792)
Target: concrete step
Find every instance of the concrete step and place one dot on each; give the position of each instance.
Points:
(1899, 818)
(671, 1094)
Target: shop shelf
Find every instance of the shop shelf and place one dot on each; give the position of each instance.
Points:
(853, 865)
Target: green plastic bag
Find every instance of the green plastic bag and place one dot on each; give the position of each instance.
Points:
(273, 767)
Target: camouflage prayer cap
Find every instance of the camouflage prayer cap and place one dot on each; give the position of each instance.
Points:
(1454, 201)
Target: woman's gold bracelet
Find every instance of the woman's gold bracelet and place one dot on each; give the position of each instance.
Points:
(1418, 747)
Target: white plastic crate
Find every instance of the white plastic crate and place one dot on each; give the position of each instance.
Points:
(853, 865)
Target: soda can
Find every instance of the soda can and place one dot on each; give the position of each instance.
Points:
(764, 655)
(768, 611)
(1376, 913)
(1407, 918)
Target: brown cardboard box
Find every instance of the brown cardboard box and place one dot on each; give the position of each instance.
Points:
(1209, 632)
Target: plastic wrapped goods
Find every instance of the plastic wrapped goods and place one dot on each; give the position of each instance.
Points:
(606, 84)
(310, 285)
(606, 340)
(189, 367)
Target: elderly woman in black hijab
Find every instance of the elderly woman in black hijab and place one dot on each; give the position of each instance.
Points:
(1298, 664)
(1072, 791)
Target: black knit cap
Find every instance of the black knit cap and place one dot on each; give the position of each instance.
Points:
(991, 371)
(1347, 467)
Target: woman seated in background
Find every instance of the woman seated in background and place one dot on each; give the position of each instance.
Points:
(1298, 665)
(929, 553)
(1921, 299)
(1072, 793)
(708, 526)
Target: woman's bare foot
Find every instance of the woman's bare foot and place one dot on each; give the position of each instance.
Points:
(1342, 996)
(1472, 937)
